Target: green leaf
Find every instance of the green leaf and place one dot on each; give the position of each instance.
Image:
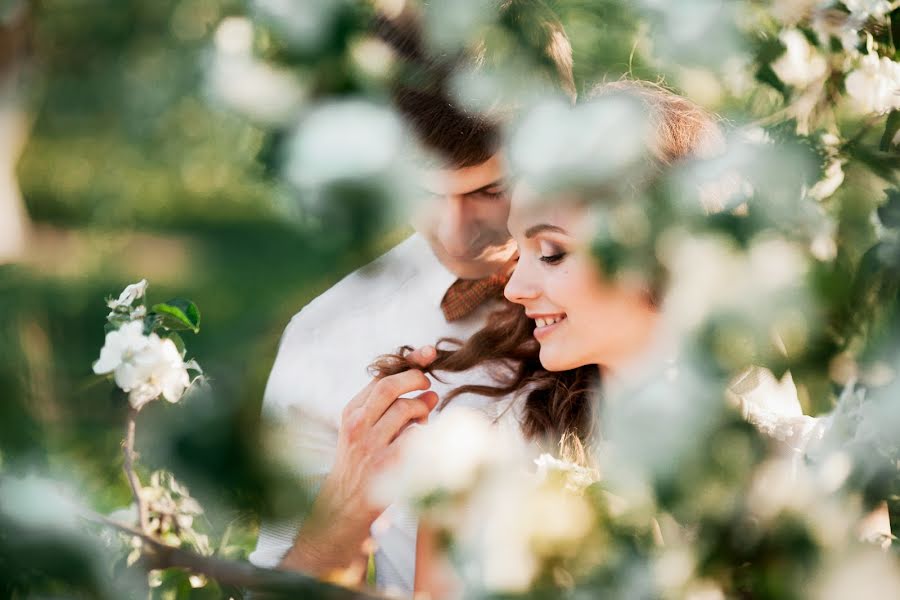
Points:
(178, 313)
(891, 128)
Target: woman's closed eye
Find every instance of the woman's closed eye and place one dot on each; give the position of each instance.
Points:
(551, 253)
(553, 259)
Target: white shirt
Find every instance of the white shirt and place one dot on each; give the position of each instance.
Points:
(322, 363)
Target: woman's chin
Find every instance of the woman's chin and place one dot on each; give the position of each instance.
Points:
(554, 360)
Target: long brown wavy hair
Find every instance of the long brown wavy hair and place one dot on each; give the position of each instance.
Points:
(560, 407)
(556, 404)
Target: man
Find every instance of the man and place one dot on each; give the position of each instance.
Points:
(438, 283)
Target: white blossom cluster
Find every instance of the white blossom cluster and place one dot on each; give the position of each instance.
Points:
(472, 478)
(872, 80)
(143, 364)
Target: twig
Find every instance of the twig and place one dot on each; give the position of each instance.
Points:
(265, 583)
(128, 467)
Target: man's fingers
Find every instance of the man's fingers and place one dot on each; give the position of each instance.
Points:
(359, 400)
(422, 356)
(400, 414)
(388, 389)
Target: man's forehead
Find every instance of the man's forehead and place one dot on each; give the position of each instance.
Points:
(466, 179)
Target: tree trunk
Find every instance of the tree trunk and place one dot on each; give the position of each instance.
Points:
(15, 30)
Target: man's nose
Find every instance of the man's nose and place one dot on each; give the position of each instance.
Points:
(520, 288)
(456, 231)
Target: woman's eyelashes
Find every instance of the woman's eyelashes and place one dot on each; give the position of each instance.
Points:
(553, 259)
(551, 254)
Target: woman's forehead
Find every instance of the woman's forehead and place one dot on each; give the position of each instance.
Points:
(528, 209)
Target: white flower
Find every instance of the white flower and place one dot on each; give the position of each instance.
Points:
(773, 406)
(828, 185)
(800, 65)
(120, 345)
(449, 454)
(131, 293)
(146, 366)
(875, 85)
(865, 573)
(792, 11)
(845, 29)
(863, 9)
(516, 525)
(576, 477)
(37, 502)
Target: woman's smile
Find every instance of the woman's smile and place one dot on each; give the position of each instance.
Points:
(546, 324)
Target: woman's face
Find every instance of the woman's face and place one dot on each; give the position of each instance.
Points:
(581, 317)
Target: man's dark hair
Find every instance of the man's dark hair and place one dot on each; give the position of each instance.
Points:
(422, 95)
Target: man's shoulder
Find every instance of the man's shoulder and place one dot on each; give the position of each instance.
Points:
(366, 288)
(325, 350)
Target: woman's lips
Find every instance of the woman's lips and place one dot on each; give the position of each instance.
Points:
(543, 330)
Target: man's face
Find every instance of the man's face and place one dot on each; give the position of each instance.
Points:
(464, 218)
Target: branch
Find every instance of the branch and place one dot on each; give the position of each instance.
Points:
(265, 583)
(128, 467)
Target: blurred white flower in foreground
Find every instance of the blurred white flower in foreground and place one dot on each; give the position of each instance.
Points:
(472, 476)
(868, 574)
(446, 456)
(710, 274)
(593, 143)
(345, 140)
(250, 86)
(449, 23)
(518, 524)
(832, 180)
(575, 477)
(801, 64)
(791, 12)
(306, 25)
(863, 9)
(774, 408)
(845, 29)
(875, 85)
(146, 366)
(353, 148)
(37, 502)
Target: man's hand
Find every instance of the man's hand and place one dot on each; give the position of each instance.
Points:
(369, 439)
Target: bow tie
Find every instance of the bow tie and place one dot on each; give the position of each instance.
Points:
(465, 295)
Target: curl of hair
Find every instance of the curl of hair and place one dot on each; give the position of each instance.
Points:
(557, 405)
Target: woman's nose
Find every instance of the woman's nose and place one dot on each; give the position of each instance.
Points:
(520, 288)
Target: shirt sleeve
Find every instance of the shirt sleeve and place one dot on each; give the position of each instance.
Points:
(276, 537)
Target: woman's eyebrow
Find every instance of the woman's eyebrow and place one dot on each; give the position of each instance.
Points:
(536, 229)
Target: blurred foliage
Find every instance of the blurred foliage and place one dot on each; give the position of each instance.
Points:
(139, 165)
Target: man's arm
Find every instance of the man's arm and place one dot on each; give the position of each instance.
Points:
(333, 537)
